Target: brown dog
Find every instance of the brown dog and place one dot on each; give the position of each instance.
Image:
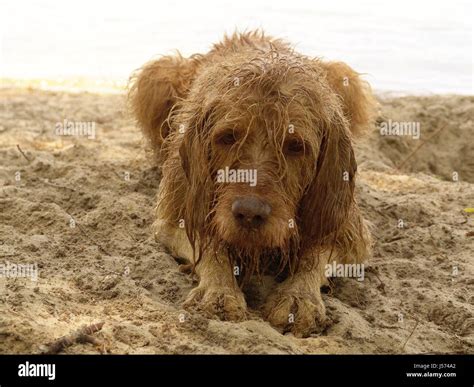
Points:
(258, 171)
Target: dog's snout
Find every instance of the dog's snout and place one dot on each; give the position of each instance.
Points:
(250, 211)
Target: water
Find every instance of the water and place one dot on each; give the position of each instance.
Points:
(413, 46)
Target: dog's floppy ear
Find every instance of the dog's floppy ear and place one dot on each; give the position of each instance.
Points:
(358, 103)
(328, 199)
(154, 90)
(194, 153)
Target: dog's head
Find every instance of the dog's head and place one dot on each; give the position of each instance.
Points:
(265, 143)
(267, 152)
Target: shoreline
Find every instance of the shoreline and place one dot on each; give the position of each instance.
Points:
(117, 86)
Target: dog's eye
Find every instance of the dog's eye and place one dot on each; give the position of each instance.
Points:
(227, 138)
(295, 147)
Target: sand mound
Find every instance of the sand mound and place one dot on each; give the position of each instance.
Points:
(81, 209)
(443, 147)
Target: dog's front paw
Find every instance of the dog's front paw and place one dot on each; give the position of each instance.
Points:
(227, 304)
(299, 313)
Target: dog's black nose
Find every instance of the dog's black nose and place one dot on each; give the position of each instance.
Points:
(250, 211)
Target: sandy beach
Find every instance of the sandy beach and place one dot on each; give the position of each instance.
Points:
(80, 208)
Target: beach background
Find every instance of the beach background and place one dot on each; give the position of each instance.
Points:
(407, 46)
(80, 208)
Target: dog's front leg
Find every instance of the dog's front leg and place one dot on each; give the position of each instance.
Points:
(218, 293)
(296, 304)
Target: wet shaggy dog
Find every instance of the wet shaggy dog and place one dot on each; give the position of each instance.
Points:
(253, 107)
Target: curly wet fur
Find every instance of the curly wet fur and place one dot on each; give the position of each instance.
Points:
(255, 88)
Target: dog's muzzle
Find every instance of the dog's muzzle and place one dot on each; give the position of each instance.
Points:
(250, 211)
